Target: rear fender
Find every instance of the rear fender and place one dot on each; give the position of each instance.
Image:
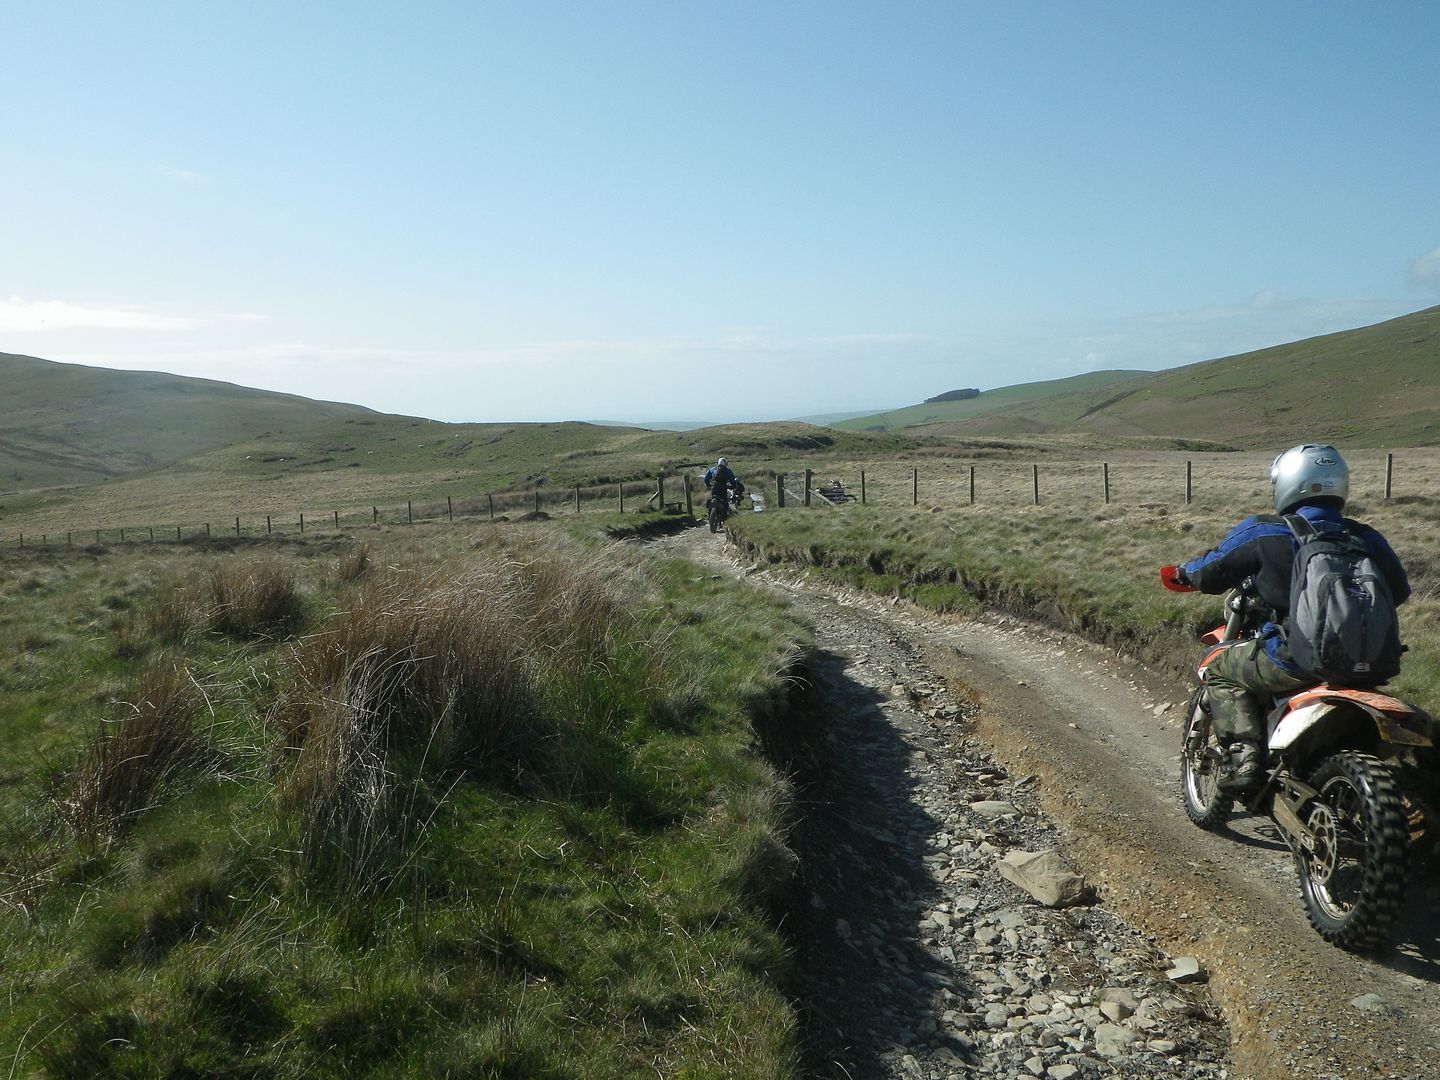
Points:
(1366, 713)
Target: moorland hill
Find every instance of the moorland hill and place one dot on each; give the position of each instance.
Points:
(1373, 386)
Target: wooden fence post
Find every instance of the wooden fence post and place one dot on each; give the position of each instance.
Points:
(808, 476)
(862, 487)
(780, 491)
(1035, 481)
(1389, 472)
(1106, 473)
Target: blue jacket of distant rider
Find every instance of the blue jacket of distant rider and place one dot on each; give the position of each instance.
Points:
(1263, 548)
(719, 474)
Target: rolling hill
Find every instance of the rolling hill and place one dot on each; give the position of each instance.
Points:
(1373, 386)
(68, 424)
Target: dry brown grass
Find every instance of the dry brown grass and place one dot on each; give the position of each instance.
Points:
(133, 755)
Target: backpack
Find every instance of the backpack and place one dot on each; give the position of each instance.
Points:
(1343, 627)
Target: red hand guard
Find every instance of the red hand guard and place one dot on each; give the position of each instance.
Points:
(1170, 578)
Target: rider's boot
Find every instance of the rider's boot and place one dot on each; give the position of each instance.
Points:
(1247, 767)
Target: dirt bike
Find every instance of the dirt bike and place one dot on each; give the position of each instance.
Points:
(1343, 777)
(720, 505)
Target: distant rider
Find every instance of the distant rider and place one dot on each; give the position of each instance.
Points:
(1312, 481)
(720, 481)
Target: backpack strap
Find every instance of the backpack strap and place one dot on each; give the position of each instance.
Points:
(1299, 527)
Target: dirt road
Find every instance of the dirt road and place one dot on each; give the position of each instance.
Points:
(1099, 737)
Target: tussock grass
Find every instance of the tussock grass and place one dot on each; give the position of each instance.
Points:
(158, 736)
(497, 811)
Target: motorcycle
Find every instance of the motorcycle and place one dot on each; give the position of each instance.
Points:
(1344, 774)
(720, 505)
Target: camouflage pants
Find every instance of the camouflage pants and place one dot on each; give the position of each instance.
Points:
(1237, 680)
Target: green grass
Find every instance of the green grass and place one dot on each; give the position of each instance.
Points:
(491, 806)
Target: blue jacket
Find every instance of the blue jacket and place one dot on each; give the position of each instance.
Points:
(1263, 548)
(720, 474)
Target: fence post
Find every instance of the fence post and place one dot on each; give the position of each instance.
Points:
(914, 487)
(808, 476)
(862, 487)
(450, 505)
(972, 485)
(689, 499)
(1035, 481)
(1187, 483)
(1106, 472)
(780, 491)
(1389, 472)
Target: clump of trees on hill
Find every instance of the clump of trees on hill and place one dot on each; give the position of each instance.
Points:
(954, 395)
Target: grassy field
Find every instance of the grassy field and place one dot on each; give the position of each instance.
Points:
(1083, 565)
(472, 800)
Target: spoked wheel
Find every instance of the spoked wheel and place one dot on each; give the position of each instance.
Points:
(1352, 876)
(1201, 760)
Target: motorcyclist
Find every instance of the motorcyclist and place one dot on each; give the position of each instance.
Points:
(1312, 481)
(720, 480)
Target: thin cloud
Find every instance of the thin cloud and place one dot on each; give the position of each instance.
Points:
(21, 316)
(1425, 271)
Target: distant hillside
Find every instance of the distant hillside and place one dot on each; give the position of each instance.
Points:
(1374, 386)
(990, 401)
(67, 424)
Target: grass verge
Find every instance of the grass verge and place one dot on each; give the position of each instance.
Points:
(490, 806)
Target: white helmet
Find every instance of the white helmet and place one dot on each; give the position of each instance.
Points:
(722, 461)
(1309, 473)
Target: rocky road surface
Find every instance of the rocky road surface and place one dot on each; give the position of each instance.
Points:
(951, 744)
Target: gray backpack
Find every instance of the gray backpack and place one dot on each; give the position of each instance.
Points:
(1343, 627)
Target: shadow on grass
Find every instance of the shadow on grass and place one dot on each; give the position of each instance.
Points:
(862, 983)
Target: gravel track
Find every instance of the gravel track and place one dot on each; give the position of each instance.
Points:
(917, 959)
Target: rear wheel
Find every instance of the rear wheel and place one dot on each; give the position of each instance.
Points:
(1352, 875)
(1202, 759)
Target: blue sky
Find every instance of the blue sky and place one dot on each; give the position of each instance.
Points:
(650, 211)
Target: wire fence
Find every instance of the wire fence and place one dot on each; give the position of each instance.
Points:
(1161, 479)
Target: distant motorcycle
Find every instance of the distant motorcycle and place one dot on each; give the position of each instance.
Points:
(1346, 769)
(721, 504)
